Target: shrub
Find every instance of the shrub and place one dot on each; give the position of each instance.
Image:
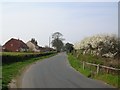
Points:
(100, 45)
(11, 58)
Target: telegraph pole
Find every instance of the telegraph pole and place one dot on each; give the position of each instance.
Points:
(49, 41)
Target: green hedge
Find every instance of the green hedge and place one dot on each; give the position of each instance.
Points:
(8, 58)
(15, 63)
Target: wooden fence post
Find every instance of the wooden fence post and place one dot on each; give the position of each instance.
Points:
(98, 67)
(83, 65)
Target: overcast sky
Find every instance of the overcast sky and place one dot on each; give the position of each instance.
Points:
(75, 20)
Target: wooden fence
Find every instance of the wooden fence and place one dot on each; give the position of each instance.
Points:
(101, 68)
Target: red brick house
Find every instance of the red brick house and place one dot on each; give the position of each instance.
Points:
(15, 45)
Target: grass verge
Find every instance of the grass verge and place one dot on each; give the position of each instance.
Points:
(113, 80)
(12, 70)
(110, 79)
(77, 65)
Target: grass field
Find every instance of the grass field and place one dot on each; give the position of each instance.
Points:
(10, 71)
(113, 80)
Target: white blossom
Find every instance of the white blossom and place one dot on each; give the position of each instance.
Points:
(104, 45)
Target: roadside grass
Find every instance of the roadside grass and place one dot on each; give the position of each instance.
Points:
(113, 80)
(110, 79)
(13, 70)
(77, 65)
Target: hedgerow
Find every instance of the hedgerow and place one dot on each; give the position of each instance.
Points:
(11, 58)
(100, 45)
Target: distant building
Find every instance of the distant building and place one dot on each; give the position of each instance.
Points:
(33, 47)
(46, 49)
(15, 45)
(42, 49)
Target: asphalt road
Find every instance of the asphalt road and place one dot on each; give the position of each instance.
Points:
(56, 72)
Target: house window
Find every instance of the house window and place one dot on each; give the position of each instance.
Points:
(11, 44)
(3, 47)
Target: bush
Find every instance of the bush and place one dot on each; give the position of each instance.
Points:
(11, 58)
(100, 45)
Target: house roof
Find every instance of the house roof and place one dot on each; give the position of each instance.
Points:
(29, 43)
(14, 45)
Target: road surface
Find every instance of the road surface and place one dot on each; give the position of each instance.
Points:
(56, 72)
